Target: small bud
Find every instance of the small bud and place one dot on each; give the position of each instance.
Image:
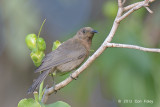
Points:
(37, 57)
(56, 44)
(31, 41)
(41, 44)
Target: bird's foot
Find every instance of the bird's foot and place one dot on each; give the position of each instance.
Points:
(47, 87)
(74, 78)
(55, 91)
(54, 83)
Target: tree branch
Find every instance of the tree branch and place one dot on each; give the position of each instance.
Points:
(120, 16)
(135, 7)
(116, 45)
(134, 4)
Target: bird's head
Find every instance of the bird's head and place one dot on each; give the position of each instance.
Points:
(86, 33)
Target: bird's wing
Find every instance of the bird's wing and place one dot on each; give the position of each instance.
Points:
(66, 52)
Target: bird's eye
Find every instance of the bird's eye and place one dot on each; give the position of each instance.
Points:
(84, 31)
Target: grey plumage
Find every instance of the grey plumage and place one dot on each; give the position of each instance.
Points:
(37, 82)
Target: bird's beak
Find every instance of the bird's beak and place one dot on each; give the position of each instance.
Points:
(94, 31)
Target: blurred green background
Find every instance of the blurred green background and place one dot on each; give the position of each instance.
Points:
(118, 74)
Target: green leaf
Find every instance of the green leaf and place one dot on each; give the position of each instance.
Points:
(28, 103)
(41, 90)
(58, 104)
(56, 44)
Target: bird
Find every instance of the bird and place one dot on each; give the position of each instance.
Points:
(67, 57)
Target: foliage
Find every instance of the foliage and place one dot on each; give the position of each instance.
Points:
(37, 47)
(56, 44)
(28, 103)
(32, 103)
(110, 9)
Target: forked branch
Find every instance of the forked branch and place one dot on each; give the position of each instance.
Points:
(120, 16)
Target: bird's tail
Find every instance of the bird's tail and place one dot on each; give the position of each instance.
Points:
(37, 82)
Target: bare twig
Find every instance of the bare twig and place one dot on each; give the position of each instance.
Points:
(119, 3)
(123, 2)
(149, 10)
(134, 7)
(135, 4)
(120, 16)
(131, 6)
(116, 45)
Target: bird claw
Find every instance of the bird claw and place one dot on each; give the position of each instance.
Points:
(55, 91)
(73, 77)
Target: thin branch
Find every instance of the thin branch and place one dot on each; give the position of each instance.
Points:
(136, 6)
(131, 6)
(123, 2)
(119, 3)
(116, 45)
(99, 51)
(149, 10)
